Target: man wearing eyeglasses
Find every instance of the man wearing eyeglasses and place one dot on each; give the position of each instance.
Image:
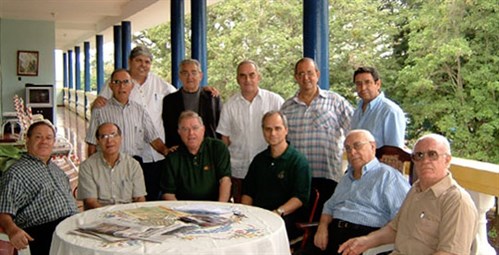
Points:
(376, 113)
(200, 168)
(367, 197)
(437, 216)
(110, 176)
(190, 97)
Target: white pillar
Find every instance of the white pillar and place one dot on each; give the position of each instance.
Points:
(483, 203)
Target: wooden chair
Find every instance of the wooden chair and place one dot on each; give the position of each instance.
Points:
(399, 159)
(308, 226)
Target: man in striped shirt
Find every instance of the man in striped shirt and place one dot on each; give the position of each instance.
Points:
(318, 121)
(135, 123)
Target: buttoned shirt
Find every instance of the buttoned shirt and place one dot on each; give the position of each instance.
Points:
(35, 193)
(136, 126)
(150, 96)
(108, 184)
(373, 200)
(318, 131)
(241, 121)
(384, 119)
(440, 218)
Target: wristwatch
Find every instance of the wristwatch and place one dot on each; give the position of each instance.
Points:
(280, 211)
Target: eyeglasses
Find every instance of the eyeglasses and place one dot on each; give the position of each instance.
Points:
(187, 129)
(432, 155)
(186, 73)
(108, 136)
(357, 146)
(308, 73)
(121, 82)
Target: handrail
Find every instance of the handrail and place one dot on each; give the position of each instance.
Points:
(475, 175)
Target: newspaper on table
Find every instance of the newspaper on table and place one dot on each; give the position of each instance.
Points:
(156, 223)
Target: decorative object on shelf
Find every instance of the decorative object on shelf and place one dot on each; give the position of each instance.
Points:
(27, 63)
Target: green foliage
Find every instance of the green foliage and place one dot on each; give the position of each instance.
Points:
(438, 59)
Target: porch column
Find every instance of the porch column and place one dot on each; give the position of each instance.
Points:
(177, 38)
(99, 48)
(117, 47)
(198, 45)
(126, 46)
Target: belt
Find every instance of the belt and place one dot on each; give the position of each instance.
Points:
(349, 225)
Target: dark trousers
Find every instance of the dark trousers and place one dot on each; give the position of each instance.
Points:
(42, 235)
(326, 189)
(237, 189)
(339, 232)
(152, 173)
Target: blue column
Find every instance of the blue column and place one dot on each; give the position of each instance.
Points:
(86, 75)
(126, 46)
(177, 38)
(64, 74)
(316, 36)
(64, 70)
(70, 72)
(117, 47)
(99, 46)
(77, 68)
(198, 45)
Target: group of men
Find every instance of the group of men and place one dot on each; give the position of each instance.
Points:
(258, 150)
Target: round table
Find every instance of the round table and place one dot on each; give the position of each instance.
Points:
(258, 232)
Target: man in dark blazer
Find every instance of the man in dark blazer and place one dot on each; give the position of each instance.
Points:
(190, 97)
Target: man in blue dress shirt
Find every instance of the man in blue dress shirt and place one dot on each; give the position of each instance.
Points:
(367, 197)
(376, 113)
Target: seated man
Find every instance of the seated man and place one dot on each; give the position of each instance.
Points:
(108, 176)
(35, 194)
(437, 217)
(200, 168)
(279, 177)
(366, 198)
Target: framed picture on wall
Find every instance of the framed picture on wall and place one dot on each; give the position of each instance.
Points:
(27, 63)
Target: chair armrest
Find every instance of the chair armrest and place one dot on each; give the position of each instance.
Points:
(304, 225)
(379, 249)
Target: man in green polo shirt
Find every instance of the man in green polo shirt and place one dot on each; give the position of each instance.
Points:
(279, 177)
(200, 168)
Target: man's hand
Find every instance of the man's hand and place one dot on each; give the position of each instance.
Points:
(213, 91)
(19, 238)
(99, 102)
(321, 238)
(354, 246)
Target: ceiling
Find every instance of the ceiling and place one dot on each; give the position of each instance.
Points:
(80, 20)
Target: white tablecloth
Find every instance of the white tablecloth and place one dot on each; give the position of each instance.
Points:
(260, 232)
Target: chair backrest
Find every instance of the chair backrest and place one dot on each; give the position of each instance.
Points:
(314, 201)
(399, 159)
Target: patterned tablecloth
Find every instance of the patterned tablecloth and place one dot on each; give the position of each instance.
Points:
(258, 232)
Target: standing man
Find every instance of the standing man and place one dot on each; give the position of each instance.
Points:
(200, 168)
(148, 91)
(279, 177)
(239, 122)
(133, 120)
(192, 98)
(376, 113)
(35, 194)
(368, 196)
(318, 122)
(437, 216)
(110, 176)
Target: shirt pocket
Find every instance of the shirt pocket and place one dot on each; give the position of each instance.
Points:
(427, 230)
(323, 120)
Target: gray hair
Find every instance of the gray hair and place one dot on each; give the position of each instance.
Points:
(303, 60)
(97, 132)
(190, 114)
(248, 61)
(140, 50)
(366, 133)
(440, 139)
(190, 61)
(39, 123)
(271, 113)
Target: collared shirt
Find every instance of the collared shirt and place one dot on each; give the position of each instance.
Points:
(440, 218)
(373, 200)
(110, 185)
(241, 121)
(136, 126)
(35, 193)
(271, 182)
(384, 119)
(318, 131)
(196, 177)
(150, 96)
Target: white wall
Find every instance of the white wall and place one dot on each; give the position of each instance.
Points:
(24, 35)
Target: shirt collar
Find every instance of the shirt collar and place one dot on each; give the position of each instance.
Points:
(440, 187)
(322, 93)
(370, 166)
(116, 102)
(374, 102)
